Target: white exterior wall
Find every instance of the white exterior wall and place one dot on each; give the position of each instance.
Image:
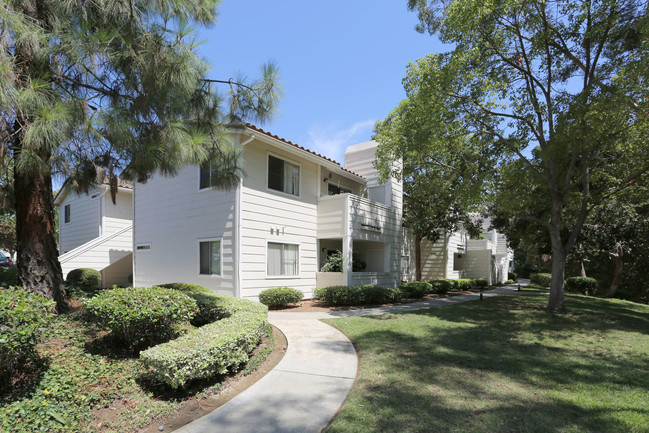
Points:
(118, 215)
(118, 272)
(479, 264)
(272, 216)
(172, 215)
(85, 220)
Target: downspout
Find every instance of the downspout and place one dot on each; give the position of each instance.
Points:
(239, 219)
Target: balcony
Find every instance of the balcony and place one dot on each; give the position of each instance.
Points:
(350, 215)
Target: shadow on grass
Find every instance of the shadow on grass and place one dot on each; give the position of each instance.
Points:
(503, 365)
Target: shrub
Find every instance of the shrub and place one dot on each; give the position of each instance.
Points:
(142, 316)
(541, 279)
(334, 263)
(480, 283)
(280, 297)
(512, 276)
(86, 278)
(23, 318)
(215, 348)
(357, 295)
(8, 276)
(185, 287)
(416, 289)
(509, 282)
(442, 285)
(464, 284)
(585, 285)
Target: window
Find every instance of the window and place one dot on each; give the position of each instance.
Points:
(66, 211)
(335, 189)
(283, 176)
(282, 260)
(210, 258)
(208, 175)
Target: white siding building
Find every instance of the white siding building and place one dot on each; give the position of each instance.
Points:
(291, 209)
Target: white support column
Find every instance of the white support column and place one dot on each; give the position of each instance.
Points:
(348, 245)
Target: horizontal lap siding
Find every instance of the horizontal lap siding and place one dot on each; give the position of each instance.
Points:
(263, 210)
(119, 215)
(84, 220)
(172, 215)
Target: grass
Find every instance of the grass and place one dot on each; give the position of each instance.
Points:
(501, 365)
(84, 384)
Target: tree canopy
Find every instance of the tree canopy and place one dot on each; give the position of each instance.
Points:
(553, 96)
(108, 84)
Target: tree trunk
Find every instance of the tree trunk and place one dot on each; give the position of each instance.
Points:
(418, 257)
(37, 261)
(559, 254)
(618, 272)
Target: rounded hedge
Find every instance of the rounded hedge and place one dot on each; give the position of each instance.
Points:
(185, 287)
(416, 289)
(86, 278)
(142, 316)
(280, 296)
(541, 279)
(442, 285)
(480, 283)
(585, 285)
(357, 295)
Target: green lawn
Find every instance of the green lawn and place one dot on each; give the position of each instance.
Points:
(501, 365)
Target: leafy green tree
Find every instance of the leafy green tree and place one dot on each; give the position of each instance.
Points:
(553, 93)
(107, 84)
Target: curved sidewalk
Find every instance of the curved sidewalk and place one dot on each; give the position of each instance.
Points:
(303, 393)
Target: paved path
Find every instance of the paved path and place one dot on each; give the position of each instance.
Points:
(303, 393)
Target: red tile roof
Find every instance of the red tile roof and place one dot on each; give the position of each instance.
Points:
(283, 140)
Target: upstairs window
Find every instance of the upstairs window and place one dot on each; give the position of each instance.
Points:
(283, 176)
(335, 189)
(210, 258)
(208, 176)
(66, 212)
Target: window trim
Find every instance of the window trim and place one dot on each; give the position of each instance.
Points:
(67, 213)
(299, 261)
(290, 161)
(198, 256)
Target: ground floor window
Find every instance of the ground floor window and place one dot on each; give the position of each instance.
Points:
(282, 260)
(210, 257)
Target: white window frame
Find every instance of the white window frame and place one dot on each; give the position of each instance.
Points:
(198, 256)
(299, 261)
(67, 213)
(198, 183)
(290, 161)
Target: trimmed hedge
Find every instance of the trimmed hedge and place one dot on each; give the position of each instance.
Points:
(442, 285)
(416, 289)
(512, 276)
(185, 287)
(280, 296)
(541, 279)
(357, 295)
(23, 318)
(480, 282)
(86, 278)
(142, 315)
(464, 284)
(585, 285)
(215, 348)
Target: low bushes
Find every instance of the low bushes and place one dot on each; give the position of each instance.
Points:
(185, 287)
(23, 318)
(541, 279)
(280, 297)
(480, 283)
(585, 285)
(464, 284)
(85, 278)
(215, 348)
(416, 289)
(442, 285)
(357, 295)
(142, 316)
(512, 276)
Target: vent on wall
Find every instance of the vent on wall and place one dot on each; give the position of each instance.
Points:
(143, 247)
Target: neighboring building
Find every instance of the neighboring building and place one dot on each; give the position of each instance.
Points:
(292, 208)
(96, 233)
(456, 255)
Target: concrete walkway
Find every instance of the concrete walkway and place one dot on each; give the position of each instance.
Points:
(303, 393)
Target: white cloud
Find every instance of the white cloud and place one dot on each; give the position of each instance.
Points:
(331, 141)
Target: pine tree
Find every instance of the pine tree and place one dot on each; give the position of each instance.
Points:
(107, 84)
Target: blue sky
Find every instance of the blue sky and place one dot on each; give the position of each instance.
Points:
(341, 62)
